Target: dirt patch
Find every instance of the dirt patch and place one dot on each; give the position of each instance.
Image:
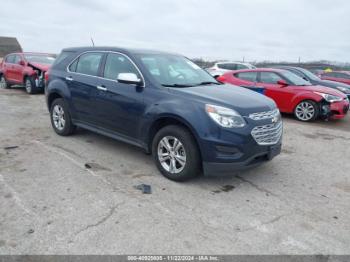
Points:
(225, 188)
(343, 186)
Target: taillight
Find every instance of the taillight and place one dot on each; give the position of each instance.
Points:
(46, 76)
(221, 79)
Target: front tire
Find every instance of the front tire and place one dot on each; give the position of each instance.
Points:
(176, 153)
(3, 83)
(307, 111)
(30, 86)
(60, 118)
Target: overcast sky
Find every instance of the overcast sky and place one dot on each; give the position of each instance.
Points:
(214, 29)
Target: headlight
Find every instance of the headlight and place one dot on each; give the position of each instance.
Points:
(343, 89)
(330, 98)
(225, 117)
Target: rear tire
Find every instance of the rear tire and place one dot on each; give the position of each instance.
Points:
(176, 153)
(307, 111)
(30, 86)
(60, 118)
(3, 83)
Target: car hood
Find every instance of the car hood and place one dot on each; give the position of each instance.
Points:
(43, 67)
(333, 84)
(321, 89)
(242, 100)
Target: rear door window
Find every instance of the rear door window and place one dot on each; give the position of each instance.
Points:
(269, 77)
(248, 76)
(228, 66)
(87, 64)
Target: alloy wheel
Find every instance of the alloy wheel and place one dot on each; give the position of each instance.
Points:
(305, 111)
(171, 154)
(58, 117)
(28, 86)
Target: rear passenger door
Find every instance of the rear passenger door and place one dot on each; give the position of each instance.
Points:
(9, 69)
(118, 106)
(247, 79)
(81, 79)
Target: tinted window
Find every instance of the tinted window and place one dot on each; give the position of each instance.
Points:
(10, 59)
(88, 64)
(116, 64)
(239, 67)
(228, 66)
(343, 75)
(269, 78)
(40, 58)
(249, 76)
(298, 73)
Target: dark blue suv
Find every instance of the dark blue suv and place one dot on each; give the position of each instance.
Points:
(165, 104)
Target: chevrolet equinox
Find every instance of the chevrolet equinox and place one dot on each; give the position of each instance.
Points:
(165, 104)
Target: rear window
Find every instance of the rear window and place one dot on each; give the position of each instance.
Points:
(62, 56)
(228, 66)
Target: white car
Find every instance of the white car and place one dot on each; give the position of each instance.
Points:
(222, 67)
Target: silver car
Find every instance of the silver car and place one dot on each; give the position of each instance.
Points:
(222, 67)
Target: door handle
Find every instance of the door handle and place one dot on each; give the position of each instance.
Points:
(69, 78)
(102, 88)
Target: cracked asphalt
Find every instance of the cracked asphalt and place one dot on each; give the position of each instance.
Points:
(76, 195)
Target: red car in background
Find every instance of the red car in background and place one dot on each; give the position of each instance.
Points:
(337, 76)
(27, 69)
(291, 93)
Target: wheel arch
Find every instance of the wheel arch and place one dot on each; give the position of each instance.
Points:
(166, 120)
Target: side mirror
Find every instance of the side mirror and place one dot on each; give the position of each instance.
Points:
(129, 78)
(22, 63)
(283, 83)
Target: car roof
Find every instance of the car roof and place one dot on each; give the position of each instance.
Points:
(29, 53)
(232, 62)
(276, 70)
(116, 49)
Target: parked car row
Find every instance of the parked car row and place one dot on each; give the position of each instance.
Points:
(293, 94)
(165, 104)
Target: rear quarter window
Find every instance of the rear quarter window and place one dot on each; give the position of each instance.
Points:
(63, 57)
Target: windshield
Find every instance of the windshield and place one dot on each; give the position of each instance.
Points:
(294, 79)
(175, 71)
(40, 59)
(309, 74)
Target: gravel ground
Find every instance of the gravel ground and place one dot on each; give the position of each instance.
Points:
(50, 203)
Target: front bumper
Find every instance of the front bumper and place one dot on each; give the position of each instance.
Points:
(230, 151)
(256, 159)
(338, 110)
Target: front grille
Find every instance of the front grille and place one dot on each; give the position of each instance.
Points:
(265, 115)
(268, 134)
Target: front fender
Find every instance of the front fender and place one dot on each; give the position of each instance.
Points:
(306, 95)
(60, 88)
(189, 114)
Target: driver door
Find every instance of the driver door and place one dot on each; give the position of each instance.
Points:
(282, 95)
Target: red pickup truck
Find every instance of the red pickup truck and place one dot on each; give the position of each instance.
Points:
(26, 69)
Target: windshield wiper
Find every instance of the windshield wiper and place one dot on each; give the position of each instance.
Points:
(208, 83)
(176, 85)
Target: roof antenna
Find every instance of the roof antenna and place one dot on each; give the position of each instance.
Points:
(92, 41)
